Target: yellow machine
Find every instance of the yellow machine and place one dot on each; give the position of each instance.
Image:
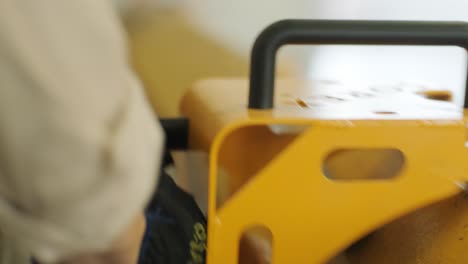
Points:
(317, 170)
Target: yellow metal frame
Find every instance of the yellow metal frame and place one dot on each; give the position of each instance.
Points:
(282, 186)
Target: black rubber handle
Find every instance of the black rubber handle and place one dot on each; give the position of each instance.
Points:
(262, 68)
(176, 131)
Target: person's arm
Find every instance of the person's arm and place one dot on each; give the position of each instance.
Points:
(79, 145)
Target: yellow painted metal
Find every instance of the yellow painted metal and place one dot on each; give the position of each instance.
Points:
(432, 235)
(276, 180)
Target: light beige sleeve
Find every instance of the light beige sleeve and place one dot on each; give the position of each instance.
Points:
(79, 145)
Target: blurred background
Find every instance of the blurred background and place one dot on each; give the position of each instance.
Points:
(177, 42)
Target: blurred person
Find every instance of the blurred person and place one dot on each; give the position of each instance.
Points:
(80, 148)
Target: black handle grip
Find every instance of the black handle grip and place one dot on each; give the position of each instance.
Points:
(176, 131)
(262, 68)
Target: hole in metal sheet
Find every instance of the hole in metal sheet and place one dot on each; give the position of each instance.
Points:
(438, 95)
(256, 246)
(365, 163)
(301, 103)
(385, 112)
(334, 98)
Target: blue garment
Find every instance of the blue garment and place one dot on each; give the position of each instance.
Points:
(176, 228)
